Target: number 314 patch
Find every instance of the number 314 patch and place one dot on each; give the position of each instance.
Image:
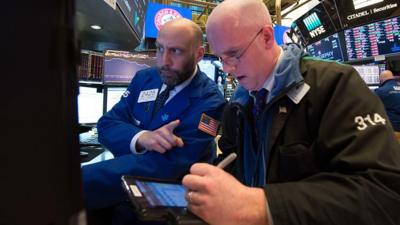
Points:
(364, 122)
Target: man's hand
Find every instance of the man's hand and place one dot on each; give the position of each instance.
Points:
(160, 140)
(219, 199)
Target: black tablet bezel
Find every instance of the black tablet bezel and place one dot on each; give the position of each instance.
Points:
(142, 207)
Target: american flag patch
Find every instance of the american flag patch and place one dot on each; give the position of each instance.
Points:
(208, 125)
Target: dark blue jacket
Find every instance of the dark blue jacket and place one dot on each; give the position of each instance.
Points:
(389, 93)
(102, 181)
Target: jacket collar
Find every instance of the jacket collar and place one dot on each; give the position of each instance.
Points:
(180, 102)
(286, 74)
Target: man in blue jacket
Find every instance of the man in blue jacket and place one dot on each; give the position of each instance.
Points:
(389, 93)
(155, 130)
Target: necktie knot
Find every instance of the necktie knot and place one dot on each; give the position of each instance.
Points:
(161, 99)
(259, 105)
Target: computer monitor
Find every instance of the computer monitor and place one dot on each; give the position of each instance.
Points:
(90, 105)
(121, 66)
(208, 67)
(327, 48)
(379, 38)
(369, 73)
(114, 95)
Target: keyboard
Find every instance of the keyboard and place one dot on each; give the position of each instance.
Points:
(88, 138)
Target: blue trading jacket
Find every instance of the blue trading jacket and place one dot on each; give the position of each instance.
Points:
(102, 183)
(389, 93)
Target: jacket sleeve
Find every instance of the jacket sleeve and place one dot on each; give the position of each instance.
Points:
(358, 180)
(116, 128)
(233, 119)
(102, 183)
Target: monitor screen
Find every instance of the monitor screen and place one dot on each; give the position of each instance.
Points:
(369, 73)
(134, 12)
(357, 12)
(90, 105)
(158, 14)
(208, 67)
(120, 66)
(315, 24)
(327, 48)
(114, 94)
(379, 38)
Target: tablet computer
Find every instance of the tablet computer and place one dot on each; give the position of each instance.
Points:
(159, 200)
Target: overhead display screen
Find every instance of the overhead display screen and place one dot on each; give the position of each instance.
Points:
(358, 12)
(327, 48)
(379, 38)
(315, 24)
(158, 14)
(134, 11)
(120, 66)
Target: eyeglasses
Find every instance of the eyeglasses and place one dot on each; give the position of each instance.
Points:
(234, 60)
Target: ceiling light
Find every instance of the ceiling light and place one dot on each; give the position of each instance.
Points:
(96, 27)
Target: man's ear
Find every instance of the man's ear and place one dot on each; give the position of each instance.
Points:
(268, 36)
(200, 53)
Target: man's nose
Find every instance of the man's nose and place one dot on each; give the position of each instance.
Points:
(228, 68)
(166, 59)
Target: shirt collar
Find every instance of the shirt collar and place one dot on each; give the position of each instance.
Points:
(268, 84)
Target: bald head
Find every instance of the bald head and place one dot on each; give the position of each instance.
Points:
(239, 14)
(386, 75)
(186, 26)
(179, 49)
(240, 32)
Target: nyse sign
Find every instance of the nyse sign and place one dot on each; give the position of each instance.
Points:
(318, 31)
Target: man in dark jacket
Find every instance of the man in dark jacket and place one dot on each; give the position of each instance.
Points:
(389, 93)
(314, 144)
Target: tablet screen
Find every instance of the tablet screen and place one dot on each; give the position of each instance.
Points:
(163, 194)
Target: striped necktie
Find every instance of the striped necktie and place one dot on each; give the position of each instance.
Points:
(161, 99)
(260, 102)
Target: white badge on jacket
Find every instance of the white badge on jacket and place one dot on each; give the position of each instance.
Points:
(148, 95)
(297, 93)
